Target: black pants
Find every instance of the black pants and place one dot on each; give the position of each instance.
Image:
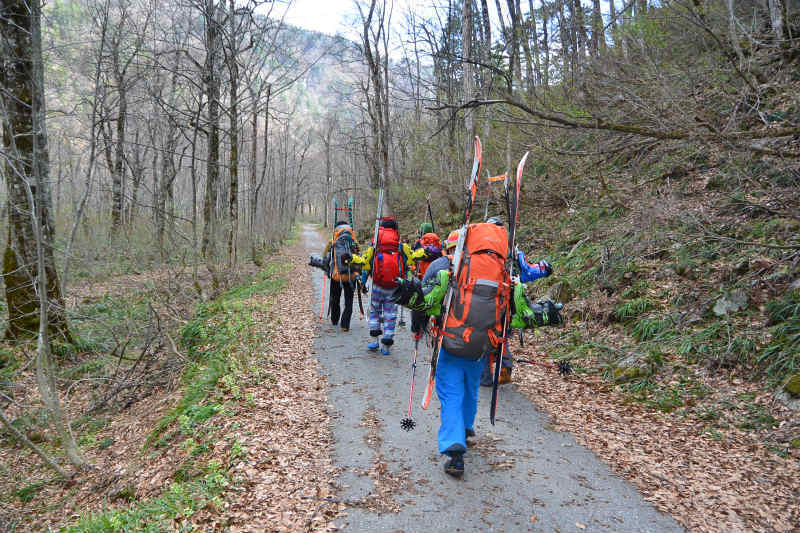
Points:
(335, 295)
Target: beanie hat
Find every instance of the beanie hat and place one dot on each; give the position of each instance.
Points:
(389, 222)
(340, 223)
(425, 227)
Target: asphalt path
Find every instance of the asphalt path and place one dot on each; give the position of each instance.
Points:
(520, 475)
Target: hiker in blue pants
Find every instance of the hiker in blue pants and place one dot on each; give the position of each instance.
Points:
(458, 375)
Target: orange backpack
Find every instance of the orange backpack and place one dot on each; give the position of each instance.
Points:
(343, 244)
(474, 323)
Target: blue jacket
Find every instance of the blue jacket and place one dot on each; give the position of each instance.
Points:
(528, 272)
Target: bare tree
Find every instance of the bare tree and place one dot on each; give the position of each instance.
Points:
(26, 166)
(31, 225)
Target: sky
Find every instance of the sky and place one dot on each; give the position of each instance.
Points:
(325, 16)
(332, 16)
(337, 16)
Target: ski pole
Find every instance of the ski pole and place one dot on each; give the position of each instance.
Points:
(322, 296)
(408, 423)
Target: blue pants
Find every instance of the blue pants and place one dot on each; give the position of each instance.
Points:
(457, 381)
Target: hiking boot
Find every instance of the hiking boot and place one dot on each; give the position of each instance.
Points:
(345, 330)
(505, 376)
(372, 346)
(385, 350)
(455, 466)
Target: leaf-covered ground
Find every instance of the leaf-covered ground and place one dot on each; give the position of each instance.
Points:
(708, 485)
(241, 442)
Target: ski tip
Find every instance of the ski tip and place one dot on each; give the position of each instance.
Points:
(522, 163)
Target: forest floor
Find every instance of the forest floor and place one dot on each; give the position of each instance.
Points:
(277, 421)
(237, 440)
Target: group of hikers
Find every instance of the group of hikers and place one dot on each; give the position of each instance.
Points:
(469, 339)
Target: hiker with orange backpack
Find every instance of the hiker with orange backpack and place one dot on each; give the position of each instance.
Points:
(386, 260)
(473, 327)
(343, 273)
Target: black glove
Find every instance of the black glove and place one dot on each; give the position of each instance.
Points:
(409, 294)
(318, 262)
(346, 258)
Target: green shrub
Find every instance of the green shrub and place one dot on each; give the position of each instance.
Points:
(634, 308)
(649, 328)
(179, 501)
(782, 356)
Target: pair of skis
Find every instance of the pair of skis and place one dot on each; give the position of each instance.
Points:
(512, 207)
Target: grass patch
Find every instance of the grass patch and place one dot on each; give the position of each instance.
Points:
(181, 500)
(648, 329)
(27, 494)
(210, 339)
(634, 308)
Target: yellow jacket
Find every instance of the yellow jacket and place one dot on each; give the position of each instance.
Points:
(410, 256)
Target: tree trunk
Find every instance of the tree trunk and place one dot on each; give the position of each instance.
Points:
(118, 171)
(776, 18)
(613, 14)
(546, 45)
(25, 139)
(598, 39)
(212, 93)
(27, 175)
(486, 52)
(233, 194)
(251, 214)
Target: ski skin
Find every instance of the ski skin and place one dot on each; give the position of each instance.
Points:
(513, 218)
(472, 187)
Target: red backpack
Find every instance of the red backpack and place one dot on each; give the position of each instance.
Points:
(474, 323)
(387, 263)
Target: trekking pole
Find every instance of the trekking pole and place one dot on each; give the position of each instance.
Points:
(408, 423)
(563, 367)
(322, 296)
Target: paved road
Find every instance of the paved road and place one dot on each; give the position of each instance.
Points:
(520, 476)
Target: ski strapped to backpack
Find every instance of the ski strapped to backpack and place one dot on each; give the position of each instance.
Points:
(375, 233)
(472, 188)
(512, 206)
(430, 213)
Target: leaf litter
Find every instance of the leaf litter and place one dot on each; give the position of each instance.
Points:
(707, 485)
